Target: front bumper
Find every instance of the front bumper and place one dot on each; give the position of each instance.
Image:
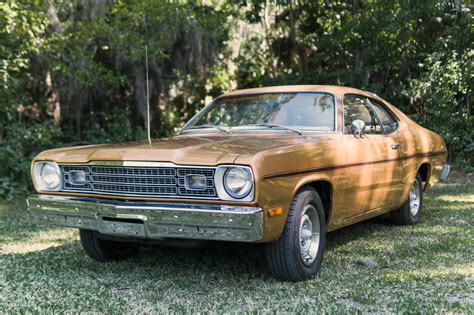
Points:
(150, 220)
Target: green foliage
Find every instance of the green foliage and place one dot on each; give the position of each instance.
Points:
(75, 73)
(22, 29)
(114, 127)
(16, 153)
(441, 93)
(104, 59)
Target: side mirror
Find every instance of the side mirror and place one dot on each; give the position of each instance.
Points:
(358, 127)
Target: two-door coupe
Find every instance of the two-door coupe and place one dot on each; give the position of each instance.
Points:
(278, 165)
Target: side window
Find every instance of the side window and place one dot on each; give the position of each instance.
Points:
(388, 122)
(358, 107)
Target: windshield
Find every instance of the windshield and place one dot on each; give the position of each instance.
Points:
(302, 111)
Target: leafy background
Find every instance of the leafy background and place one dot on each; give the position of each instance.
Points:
(72, 72)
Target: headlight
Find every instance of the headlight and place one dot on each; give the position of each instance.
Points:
(47, 176)
(238, 182)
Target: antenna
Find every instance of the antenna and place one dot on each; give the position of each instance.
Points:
(147, 97)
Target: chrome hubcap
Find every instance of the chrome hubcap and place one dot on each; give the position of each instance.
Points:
(415, 198)
(309, 235)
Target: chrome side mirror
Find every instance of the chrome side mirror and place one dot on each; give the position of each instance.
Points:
(358, 127)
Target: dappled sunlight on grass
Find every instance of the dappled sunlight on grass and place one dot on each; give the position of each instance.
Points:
(469, 198)
(465, 271)
(439, 230)
(40, 240)
(25, 247)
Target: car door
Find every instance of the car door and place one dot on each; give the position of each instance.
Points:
(394, 138)
(373, 158)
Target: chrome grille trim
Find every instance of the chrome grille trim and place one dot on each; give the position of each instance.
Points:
(189, 171)
(145, 190)
(159, 180)
(132, 171)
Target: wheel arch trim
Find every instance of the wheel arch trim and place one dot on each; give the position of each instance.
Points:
(325, 189)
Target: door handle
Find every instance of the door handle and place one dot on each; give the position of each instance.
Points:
(395, 146)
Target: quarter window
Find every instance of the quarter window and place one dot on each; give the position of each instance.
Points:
(388, 122)
(358, 108)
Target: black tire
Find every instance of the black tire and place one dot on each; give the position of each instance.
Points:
(404, 215)
(283, 256)
(102, 250)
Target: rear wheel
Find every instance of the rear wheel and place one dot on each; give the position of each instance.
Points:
(298, 254)
(102, 250)
(410, 212)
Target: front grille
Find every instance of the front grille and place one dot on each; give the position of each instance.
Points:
(138, 181)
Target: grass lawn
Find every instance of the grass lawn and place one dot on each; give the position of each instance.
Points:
(426, 268)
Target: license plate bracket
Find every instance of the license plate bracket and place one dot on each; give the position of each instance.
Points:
(120, 226)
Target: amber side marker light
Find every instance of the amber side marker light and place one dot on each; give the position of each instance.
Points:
(274, 211)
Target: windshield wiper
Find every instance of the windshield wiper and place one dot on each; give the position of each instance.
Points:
(279, 126)
(209, 126)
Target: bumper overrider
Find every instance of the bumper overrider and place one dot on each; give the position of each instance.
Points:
(150, 220)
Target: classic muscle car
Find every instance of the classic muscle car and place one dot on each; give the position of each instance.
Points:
(278, 165)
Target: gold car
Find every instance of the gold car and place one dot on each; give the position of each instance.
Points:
(279, 165)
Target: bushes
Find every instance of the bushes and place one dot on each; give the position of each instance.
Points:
(22, 143)
(74, 73)
(22, 28)
(443, 97)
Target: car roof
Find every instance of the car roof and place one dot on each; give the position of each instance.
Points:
(334, 89)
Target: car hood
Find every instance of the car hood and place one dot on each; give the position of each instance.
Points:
(191, 150)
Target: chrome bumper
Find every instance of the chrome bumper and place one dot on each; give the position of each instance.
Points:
(445, 172)
(150, 220)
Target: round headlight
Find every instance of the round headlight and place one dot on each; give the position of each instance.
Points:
(238, 182)
(49, 175)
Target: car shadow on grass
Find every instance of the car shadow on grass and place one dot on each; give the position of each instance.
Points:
(234, 262)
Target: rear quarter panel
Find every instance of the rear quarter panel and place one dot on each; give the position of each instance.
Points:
(418, 146)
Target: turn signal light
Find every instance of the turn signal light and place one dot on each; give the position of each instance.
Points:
(274, 211)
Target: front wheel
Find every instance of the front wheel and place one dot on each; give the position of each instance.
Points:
(102, 250)
(298, 254)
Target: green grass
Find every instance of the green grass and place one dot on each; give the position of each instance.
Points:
(426, 268)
